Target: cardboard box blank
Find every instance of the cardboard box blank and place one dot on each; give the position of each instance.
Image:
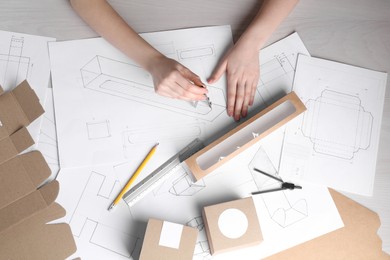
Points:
(31, 237)
(232, 225)
(25, 210)
(18, 108)
(153, 250)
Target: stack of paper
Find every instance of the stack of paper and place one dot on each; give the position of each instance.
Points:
(96, 93)
(107, 117)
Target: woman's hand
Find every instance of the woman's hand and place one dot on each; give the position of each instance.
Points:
(171, 79)
(241, 64)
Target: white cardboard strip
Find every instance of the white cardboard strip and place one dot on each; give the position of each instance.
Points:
(170, 235)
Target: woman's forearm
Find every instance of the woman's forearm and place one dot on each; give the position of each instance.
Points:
(270, 15)
(107, 22)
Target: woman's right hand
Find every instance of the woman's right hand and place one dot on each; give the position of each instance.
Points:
(172, 79)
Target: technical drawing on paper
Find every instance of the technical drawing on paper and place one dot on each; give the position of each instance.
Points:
(47, 142)
(96, 224)
(195, 53)
(165, 133)
(281, 209)
(172, 132)
(202, 249)
(343, 134)
(180, 184)
(98, 129)
(14, 65)
(271, 72)
(131, 82)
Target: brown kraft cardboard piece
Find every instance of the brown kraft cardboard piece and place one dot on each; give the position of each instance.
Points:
(232, 225)
(245, 135)
(168, 241)
(25, 207)
(357, 240)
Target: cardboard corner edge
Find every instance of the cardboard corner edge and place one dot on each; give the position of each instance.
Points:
(206, 226)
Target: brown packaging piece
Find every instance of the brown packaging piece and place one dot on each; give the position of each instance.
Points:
(25, 210)
(358, 239)
(11, 146)
(18, 108)
(232, 225)
(245, 135)
(153, 247)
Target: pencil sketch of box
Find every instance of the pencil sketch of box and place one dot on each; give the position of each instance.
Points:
(13, 65)
(337, 124)
(202, 249)
(184, 186)
(131, 82)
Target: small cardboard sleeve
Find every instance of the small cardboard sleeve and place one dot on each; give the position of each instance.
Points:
(245, 135)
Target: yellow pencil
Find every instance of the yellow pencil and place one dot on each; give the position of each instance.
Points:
(132, 179)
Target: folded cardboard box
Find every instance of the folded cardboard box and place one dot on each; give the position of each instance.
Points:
(168, 241)
(232, 225)
(26, 208)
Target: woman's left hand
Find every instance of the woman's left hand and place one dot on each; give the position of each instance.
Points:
(241, 64)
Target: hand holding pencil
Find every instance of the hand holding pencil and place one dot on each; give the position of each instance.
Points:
(132, 179)
(172, 79)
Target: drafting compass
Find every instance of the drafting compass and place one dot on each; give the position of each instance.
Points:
(284, 186)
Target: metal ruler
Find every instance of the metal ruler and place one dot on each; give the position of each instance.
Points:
(162, 173)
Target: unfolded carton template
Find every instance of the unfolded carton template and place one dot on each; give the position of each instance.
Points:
(25, 206)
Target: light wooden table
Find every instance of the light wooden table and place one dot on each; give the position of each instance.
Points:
(349, 31)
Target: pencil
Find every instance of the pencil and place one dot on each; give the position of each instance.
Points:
(132, 179)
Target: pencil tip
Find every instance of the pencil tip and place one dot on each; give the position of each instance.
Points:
(111, 207)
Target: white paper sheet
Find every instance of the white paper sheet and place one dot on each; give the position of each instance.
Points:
(277, 70)
(47, 143)
(86, 193)
(24, 56)
(335, 142)
(106, 106)
(96, 93)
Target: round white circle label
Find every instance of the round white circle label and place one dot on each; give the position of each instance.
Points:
(232, 223)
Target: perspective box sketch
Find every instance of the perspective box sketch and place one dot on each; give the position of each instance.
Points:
(335, 142)
(132, 82)
(102, 97)
(94, 83)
